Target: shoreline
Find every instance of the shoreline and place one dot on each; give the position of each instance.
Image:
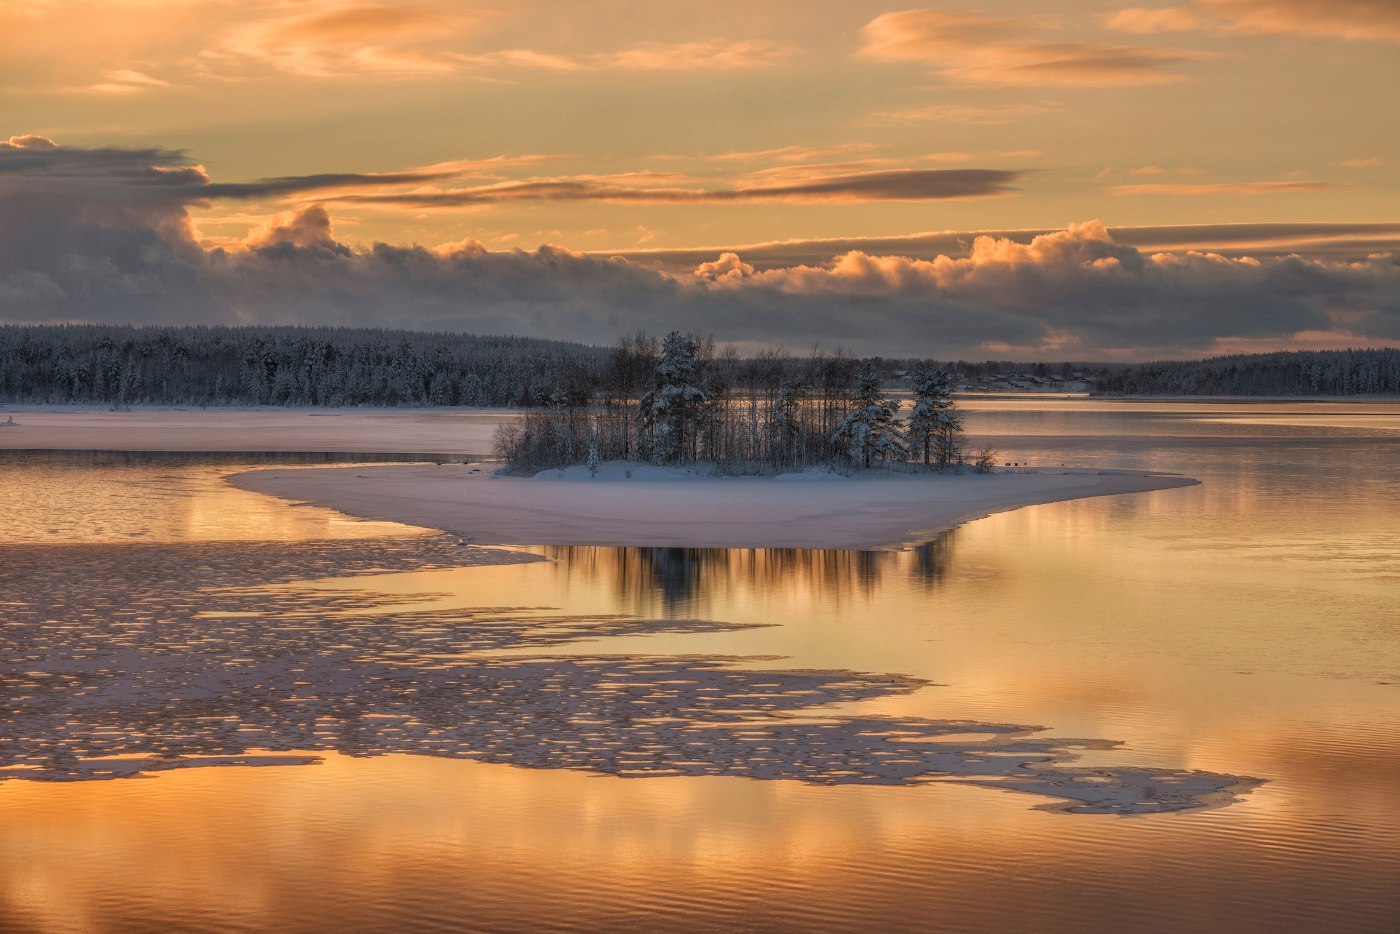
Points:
(669, 508)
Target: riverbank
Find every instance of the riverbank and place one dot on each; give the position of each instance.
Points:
(671, 508)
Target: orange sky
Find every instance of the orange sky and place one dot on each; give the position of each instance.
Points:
(665, 126)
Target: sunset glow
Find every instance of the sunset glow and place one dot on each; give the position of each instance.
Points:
(1212, 175)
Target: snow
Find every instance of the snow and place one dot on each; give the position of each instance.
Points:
(674, 507)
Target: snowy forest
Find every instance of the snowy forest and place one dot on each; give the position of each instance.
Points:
(676, 402)
(113, 365)
(1296, 373)
(221, 366)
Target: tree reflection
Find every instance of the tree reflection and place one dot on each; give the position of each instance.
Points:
(688, 580)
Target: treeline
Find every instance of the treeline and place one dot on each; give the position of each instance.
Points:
(239, 366)
(1294, 373)
(676, 402)
(220, 366)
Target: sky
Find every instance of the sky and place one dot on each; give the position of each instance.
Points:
(1065, 179)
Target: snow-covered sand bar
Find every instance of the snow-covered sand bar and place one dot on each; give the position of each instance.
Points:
(666, 507)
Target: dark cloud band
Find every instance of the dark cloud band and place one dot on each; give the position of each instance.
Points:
(103, 235)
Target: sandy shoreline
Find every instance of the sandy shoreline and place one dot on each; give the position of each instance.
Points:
(659, 508)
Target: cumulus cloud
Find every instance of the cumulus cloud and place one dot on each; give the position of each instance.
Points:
(308, 229)
(29, 141)
(999, 50)
(102, 235)
(1336, 242)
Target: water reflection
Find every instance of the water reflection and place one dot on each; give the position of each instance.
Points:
(141, 658)
(694, 580)
(118, 496)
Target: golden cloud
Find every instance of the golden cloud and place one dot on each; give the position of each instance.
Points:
(995, 50)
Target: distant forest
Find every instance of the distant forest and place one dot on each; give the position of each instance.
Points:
(221, 366)
(1298, 373)
(244, 366)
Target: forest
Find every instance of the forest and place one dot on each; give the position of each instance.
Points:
(114, 365)
(1294, 373)
(244, 366)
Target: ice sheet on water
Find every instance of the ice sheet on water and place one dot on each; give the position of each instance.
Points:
(122, 660)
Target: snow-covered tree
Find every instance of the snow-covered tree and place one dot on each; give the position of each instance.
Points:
(871, 428)
(787, 423)
(671, 411)
(935, 428)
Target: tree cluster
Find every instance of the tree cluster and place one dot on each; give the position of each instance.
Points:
(677, 402)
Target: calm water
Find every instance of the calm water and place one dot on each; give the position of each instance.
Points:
(1248, 626)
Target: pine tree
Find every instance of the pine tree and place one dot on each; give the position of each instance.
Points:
(671, 411)
(871, 427)
(935, 428)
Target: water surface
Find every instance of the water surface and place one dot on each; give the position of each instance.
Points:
(1246, 627)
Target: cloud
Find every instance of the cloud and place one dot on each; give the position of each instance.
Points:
(436, 186)
(428, 40)
(1371, 162)
(1215, 189)
(1340, 242)
(389, 40)
(1359, 20)
(28, 142)
(308, 229)
(103, 235)
(995, 115)
(1077, 288)
(1141, 21)
(995, 50)
(125, 81)
(782, 154)
(1364, 20)
(892, 185)
(714, 54)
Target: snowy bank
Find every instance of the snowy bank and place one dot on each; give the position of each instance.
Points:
(669, 507)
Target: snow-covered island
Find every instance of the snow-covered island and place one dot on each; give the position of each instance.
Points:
(642, 505)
